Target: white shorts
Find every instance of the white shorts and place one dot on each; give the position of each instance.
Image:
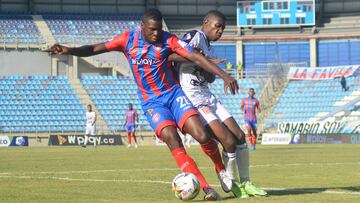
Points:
(90, 130)
(213, 111)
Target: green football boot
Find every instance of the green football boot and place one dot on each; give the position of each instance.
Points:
(239, 190)
(252, 190)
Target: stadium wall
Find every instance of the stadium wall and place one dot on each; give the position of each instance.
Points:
(24, 62)
(86, 69)
(338, 52)
(272, 52)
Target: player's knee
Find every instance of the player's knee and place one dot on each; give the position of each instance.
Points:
(229, 143)
(240, 135)
(200, 135)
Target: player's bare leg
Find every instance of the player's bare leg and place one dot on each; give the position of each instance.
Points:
(185, 162)
(135, 140)
(129, 139)
(254, 136)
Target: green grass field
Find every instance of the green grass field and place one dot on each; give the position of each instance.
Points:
(296, 173)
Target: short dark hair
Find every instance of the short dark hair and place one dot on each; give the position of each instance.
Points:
(251, 89)
(152, 14)
(214, 13)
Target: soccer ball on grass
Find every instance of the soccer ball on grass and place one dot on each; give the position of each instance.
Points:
(186, 186)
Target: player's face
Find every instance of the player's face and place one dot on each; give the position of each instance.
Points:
(251, 93)
(214, 28)
(130, 106)
(89, 108)
(151, 30)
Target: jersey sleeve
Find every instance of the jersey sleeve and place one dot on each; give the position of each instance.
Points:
(178, 46)
(192, 38)
(242, 102)
(118, 43)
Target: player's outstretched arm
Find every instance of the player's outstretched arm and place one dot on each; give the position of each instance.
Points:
(83, 51)
(200, 60)
(177, 58)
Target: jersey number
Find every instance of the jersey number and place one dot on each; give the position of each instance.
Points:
(183, 101)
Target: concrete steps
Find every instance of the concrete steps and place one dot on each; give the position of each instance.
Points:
(44, 30)
(102, 127)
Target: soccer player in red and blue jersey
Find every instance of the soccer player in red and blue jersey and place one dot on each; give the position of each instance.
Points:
(162, 99)
(130, 124)
(249, 106)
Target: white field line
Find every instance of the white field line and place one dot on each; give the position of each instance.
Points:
(174, 169)
(168, 183)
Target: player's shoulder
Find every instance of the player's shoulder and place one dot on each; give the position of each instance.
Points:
(188, 36)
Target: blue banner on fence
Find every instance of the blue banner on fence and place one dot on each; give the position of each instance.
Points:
(14, 141)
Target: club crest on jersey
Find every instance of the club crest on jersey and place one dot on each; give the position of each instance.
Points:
(150, 111)
(155, 118)
(144, 61)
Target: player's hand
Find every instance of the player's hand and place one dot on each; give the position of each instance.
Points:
(59, 49)
(231, 83)
(216, 61)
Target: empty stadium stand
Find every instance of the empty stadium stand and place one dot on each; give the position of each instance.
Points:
(308, 100)
(39, 104)
(111, 96)
(89, 28)
(15, 28)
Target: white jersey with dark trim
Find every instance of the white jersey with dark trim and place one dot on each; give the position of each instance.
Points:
(192, 79)
(90, 116)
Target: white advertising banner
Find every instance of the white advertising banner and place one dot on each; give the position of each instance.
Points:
(274, 138)
(321, 73)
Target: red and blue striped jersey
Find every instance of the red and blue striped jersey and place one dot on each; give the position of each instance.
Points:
(153, 73)
(250, 104)
(130, 117)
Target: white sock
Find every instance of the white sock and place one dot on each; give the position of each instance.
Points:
(225, 158)
(231, 165)
(86, 140)
(94, 138)
(243, 162)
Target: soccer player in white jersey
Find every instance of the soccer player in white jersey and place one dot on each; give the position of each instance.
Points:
(215, 117)
(90, 125)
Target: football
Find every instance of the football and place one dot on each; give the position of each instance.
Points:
(186, 186)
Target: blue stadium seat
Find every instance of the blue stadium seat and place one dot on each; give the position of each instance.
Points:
(22, 101)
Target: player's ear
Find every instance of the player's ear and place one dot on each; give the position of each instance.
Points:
(142, 25)
(206, 21)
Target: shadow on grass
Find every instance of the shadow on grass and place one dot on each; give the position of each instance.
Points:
(301, 191)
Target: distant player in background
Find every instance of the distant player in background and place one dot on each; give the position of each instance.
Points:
(90, 125)
(249, 106)
(217, 120)
(162, 99)
(130, 124)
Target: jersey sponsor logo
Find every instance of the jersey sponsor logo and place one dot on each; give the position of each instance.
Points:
(155, 118)
(144, 61)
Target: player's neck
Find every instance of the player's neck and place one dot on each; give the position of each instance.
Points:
(204, 32)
